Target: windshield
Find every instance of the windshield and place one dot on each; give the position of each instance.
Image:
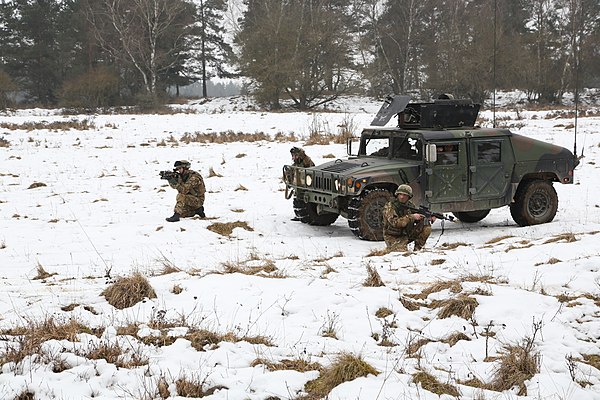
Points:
(402, 147)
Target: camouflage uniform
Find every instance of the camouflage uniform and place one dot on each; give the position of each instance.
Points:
(300, 158)
(400, 228)
(190, 196)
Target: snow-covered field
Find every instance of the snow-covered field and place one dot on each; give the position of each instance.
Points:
(87, 207)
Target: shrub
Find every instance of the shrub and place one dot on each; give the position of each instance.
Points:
(128, 291)
(96, 88)
(346, 367)
(6, 87)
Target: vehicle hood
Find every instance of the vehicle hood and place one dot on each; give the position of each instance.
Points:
(367, 166)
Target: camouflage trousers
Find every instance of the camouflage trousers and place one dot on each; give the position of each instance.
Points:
(187, 205)
(419, 234)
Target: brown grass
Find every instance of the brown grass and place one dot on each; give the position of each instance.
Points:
(498, 239)
(431, 384)
(267, 267)
(410, 305)
(454, 338)
(240, 188)
(453, 285)
(462, 306)
(373, 279)
(128, 291)
(345, 368)
(592, 360)
(297, 364)
(42, 273)
(212, 173)
(201, 338)
(193, 386)
(226, 229)
(36, 185)
(379, 252)
(230, 137)
(450, 246)
(53, 126)
(414, 345)
(29, 338)
(383, 312)
(567, 237)
(518, 363)
(4, 142)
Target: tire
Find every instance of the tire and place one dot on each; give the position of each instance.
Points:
(365, 214)
(471, 216)
(535, 203)
(307, 214)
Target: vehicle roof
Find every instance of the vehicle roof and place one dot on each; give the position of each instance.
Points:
(433, 134)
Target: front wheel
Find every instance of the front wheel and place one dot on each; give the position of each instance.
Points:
(535, 203)
(307, 214)
(471, 216)
(365, 214)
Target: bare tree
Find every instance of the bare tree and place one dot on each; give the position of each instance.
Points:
(148, 34)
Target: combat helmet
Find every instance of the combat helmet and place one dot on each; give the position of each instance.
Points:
(404, 189)
(295, 150)
(183, 163)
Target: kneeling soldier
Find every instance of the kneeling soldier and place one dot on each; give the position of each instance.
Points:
(190, 187)
(400, 226)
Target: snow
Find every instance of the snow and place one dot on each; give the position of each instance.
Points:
(101, 216)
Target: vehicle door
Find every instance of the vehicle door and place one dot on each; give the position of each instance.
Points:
(490, 169)
(448, 176)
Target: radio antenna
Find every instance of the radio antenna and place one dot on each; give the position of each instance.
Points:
(494, 72)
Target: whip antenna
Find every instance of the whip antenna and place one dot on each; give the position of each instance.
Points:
(494, 72)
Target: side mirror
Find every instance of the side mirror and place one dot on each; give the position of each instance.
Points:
(431, 153)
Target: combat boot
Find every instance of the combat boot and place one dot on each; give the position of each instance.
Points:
(200, 212)
(174, 218)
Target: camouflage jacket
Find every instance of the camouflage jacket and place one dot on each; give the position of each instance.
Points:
(397, 220)
(190, 184)
(304, 161)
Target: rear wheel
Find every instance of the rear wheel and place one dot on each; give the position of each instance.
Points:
(535, 203)
(471, 216)
(307, 214)
(365, 214)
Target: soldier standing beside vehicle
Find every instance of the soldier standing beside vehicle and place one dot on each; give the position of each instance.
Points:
(400, 226)
(190, 187)
(300, 158)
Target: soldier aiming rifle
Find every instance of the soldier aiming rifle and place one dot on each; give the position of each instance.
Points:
(191, 190)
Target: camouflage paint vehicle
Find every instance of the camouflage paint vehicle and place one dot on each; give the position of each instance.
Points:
(451, 165)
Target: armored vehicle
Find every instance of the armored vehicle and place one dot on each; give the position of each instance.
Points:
(451, 165)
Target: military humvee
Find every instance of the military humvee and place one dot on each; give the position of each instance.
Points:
(451, 165)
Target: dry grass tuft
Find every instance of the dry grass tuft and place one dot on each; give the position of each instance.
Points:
(414, 345)
(36, 185)
(264, 269)
(200, 338)
(231, 136)
(498, 239)
(226, 229)
(298, 364)
(373, 279)
(380, 252)
(410, 305)
(42, 273)
(437, 261)
(450, 246)
(4, 142)
(128, 291)
(212, 173)
(517, 364)
(453, 285)
(53, 126)
(176, 289)
(30, 338)
(567, 237)
(383, 312)
(328, 156)
(240, 188)
(345, 368)
(454, 338)
(431, 384)
(592, 360)
(193, 386)
(462, 306)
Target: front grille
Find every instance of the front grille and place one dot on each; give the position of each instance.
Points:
(323, 183)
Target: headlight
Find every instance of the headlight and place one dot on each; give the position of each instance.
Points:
(308, 180)
(336, 184)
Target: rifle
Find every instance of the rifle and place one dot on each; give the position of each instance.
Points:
(169, 175)
(427, 213)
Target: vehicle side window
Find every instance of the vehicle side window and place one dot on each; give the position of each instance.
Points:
(489, 152)
(409, 148)
(447, 154)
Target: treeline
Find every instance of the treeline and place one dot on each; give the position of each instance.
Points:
(95, 53)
